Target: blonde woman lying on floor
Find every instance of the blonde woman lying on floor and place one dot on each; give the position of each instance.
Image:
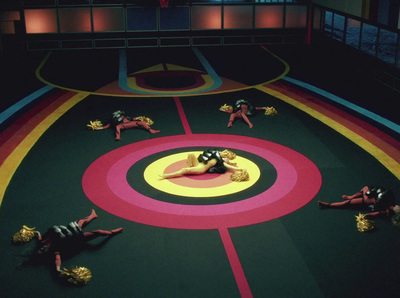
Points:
(210, 161)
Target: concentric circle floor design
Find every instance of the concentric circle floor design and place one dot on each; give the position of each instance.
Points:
(298, 181)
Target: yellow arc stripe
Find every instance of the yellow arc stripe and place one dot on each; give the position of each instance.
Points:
(392, 165)
(13, 161)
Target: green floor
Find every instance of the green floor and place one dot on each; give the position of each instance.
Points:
(308, 253)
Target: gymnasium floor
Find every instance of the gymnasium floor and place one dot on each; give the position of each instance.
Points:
(192, 236)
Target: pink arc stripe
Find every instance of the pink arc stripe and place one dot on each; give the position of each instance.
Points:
(184, 120)
(237, 268)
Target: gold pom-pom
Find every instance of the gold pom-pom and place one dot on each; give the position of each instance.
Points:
(364, 224)
(79, 276)
(146, 119)
(271, 111)
(24, 235)
(228, 154)
(95, 124)
(396, 219)
(226, 107)
(239, 176)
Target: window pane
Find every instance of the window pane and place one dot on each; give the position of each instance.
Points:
(109, 19)
(174, 18)
(74, 20)
(317, 19)
(206, 17)
(338, 27)
(353, 33)
(6, 16)
(238, 17)
(368, 39)
(7, 27)
(41, 20)
(328, 23)
(269, 16)
(387, 46)
(141, 19)
(296, 16)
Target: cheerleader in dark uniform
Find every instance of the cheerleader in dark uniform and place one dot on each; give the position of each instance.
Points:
(243, 109)
(378, 199)
(60, 239)
(122, 121)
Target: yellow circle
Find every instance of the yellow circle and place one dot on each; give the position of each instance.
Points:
(152, 172)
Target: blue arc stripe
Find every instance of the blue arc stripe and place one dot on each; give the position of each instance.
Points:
(23, 102)
(393, 126)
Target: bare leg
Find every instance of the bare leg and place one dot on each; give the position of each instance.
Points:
(97, 233)
(231, 119)
(359, 194)
(191, 161)
(146, 126)
(247, 120)
(118, 131)
(357, 201)
(185, 171)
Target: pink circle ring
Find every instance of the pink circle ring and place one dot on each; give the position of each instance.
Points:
(105, 184)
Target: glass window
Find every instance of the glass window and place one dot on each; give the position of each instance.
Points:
(387, 45)
(296, 16)
(238, 17)
(317, 18)
(74, 20)
(11, 16)
(328, 23)
(269, 16)
(353, 28)
(41, 20)
(338, 27)
(141, 19)
(369, 38)
(7, 27)
(206, 17)
(7, 19)
(108, 19)
(174, 18)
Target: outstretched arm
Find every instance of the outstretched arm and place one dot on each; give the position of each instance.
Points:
(376, 213)
(226, 111)
(38, 234)
(58, 261)
(232, 167)
(103, 127)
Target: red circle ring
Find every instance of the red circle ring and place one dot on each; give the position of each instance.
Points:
(105, 184)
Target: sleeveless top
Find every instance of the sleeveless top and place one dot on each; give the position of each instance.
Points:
(209, 154)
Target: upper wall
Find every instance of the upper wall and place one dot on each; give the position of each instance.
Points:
(353, 7)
